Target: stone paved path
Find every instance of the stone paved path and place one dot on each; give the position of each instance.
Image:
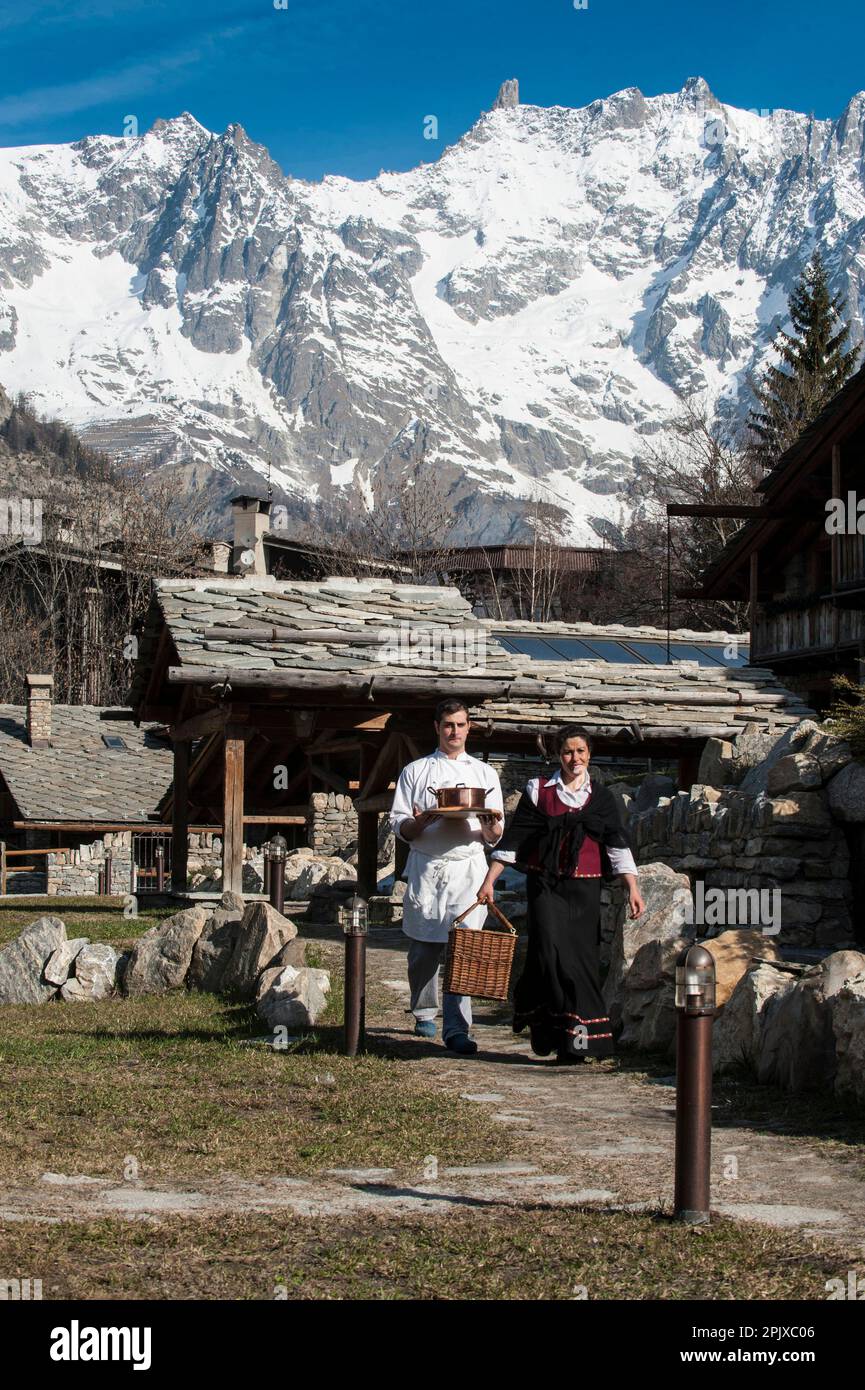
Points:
(598, 1134)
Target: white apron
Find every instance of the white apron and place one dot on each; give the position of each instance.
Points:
(440, 887)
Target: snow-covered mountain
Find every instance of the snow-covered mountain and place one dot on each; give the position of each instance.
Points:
(517, 313)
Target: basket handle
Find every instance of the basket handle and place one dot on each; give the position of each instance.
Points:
(493, 908)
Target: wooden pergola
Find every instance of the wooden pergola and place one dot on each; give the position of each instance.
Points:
(335, 683)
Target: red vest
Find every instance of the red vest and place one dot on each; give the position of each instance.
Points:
(589, 864)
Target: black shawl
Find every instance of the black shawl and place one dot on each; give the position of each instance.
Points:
(556, 840)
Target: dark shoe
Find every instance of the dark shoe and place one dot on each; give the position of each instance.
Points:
(543, 1041)
(461, 1044)
(567, 1059)
(425, 1028)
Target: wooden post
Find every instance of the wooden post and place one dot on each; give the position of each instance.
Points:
(367, 853)
(180, 818)
(232, 814)
(689, 771)
(752, 601)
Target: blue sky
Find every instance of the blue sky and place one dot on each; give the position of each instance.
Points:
(343, 86)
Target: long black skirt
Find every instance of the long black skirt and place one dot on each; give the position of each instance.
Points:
(558, 994)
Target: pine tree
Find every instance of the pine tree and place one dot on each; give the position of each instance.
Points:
(815, 363)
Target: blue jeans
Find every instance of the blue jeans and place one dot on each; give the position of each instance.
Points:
(424, 959)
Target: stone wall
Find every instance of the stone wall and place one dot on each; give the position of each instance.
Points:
(779, 828)
(75, 872)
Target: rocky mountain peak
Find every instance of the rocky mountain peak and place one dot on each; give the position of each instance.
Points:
(509, 95)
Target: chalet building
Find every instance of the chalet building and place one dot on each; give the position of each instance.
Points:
(75, 780)
(805, 583)
(275, 691)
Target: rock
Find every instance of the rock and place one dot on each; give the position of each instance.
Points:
(23, 961)
(793, 772)
(263, 932)
(292, 998)
(95, 974)
(232, 902)
(161, 957)
(716, 763)
(733, 952)
(649, 1001)
(756, 750)
(59, 964)
(651, 790)
(798, 1040)
(306, 874)
(847, 793)
(848, 1025)
(214, 948)
(508, 95)
(737, 1034)
(664, 892)
(292, 953)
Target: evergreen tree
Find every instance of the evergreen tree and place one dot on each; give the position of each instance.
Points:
(815, 363)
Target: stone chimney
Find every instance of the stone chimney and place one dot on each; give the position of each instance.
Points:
(509, 95)
(251, 521)
(39, 690)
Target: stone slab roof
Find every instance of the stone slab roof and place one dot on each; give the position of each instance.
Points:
(78, 778)
(684, 699)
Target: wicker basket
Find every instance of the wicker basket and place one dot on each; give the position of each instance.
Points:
(479, 962)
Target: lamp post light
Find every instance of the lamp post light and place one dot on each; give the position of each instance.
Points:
(160, 868)
(278, 853)
(354, 920)
(695, 1005)
(108, 858)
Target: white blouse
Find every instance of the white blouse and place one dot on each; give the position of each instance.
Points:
(621, 860)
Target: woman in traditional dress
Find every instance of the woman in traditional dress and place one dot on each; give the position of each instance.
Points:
(566, 834)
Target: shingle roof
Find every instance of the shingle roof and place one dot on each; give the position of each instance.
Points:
(77, 778)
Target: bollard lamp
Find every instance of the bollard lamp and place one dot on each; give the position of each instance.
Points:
(278, 847)
(354, 916)
(695, 981)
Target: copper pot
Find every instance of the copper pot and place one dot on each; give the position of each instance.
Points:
(460, 796)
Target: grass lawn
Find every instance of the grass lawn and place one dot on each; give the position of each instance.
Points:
(531, 1252)
(101, 919)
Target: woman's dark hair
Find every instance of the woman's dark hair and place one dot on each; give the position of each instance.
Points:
(571, 731)
(449, 707)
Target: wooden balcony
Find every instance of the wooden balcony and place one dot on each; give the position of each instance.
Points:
(821, 626)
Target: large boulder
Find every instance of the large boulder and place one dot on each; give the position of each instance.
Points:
(160, 959)
(734, 952)
(291, 997)
(717, 764)
(649, 1000)
(793, 772)
(848, 1024)
(798, 1041)
(665, 892)
(95, 974)
(847, 793)
(263, 932)
(58, 967)
(304, 874)
(23, 961)
(737, 1033)
(214, 948)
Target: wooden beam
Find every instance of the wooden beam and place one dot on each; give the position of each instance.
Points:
(330, 779)
(180, 817)
(211, 721)
(232, 818)
(381, 801)
(753, 582)
(385, 759)
(371, 685)
(277, 819)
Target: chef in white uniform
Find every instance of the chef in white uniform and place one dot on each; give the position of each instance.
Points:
(445, 868)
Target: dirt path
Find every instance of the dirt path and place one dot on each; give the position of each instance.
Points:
(600, 1134)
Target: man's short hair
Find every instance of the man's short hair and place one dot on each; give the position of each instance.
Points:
(449, 707)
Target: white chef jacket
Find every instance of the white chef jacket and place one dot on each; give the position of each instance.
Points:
(446, 864)
(621, 860)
